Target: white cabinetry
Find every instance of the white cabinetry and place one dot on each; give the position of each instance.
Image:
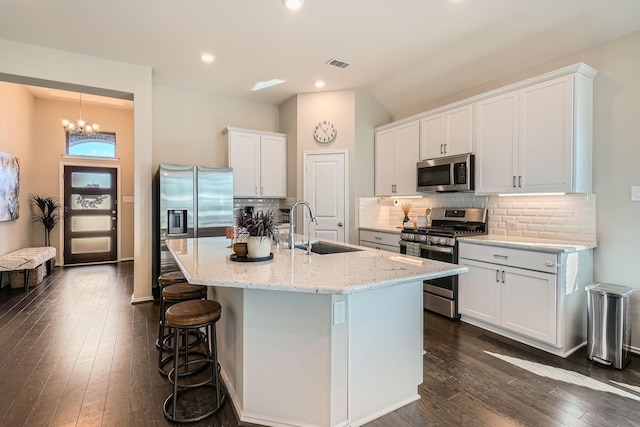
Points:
(447, 134)
(534, 297)
(536, 138)
(396, 155)
(380, 240)
(259, 162)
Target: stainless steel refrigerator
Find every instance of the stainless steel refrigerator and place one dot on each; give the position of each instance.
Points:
(189, 201)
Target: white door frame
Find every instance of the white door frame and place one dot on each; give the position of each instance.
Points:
(118, 205)
(306, 155)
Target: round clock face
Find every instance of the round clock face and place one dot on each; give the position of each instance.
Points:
(324, 132)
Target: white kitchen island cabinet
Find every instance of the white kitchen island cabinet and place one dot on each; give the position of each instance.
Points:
(319, 340)
(531, 290)
(536, 136)
(259, 162)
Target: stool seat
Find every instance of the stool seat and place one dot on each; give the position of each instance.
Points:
(183, 291)
(171, 278)
(193, 313)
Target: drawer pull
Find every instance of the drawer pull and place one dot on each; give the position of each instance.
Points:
(501, 256)
(549, 263)
(377, 237)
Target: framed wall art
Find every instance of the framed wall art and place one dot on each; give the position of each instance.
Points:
(9, 187)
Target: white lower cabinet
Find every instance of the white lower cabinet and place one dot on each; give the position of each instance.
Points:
(520, 300)
(380, 240)
(534, 297)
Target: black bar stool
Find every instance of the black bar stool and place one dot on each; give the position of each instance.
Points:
(185, 317)
(174, 294)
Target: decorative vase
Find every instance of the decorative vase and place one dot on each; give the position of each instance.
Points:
(240, 248)
(258, 247)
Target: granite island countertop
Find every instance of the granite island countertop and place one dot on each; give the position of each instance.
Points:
(528, 243)
(206, 261)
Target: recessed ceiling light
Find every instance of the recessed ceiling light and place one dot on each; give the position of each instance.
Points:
(268, 83)
(293, 4)
(318, 83)
(207, 57)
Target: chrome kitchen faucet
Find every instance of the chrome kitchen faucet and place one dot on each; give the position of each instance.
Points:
(292, 220)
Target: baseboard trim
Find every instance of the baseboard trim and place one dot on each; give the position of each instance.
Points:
(135, 300)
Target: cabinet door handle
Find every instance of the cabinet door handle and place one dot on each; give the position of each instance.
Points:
(261, 190)
(514, 181)
(502, 276)
(500, 256)
(497, 276)
(441, 151)
(256, 190)
(445, 148)
(519, 180)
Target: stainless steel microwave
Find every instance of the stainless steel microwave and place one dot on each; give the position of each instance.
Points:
(445, 174)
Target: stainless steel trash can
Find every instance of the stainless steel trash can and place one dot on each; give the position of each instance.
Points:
(609, 324)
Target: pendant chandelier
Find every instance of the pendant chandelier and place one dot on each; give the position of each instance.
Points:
(80, 126)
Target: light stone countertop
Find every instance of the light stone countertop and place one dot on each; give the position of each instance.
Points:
(528, 243)
(205, 261)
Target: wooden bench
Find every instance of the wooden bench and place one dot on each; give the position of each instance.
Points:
(27, 259)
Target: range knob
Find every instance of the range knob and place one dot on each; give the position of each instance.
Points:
(442, 241)
(422, 238)
(409, 237)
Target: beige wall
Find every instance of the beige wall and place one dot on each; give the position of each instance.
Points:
(16, 124)
(616, 150)
(187, 126)
(49, 144)
(354, 113)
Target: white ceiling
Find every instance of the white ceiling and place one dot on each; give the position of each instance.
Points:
(406, 53)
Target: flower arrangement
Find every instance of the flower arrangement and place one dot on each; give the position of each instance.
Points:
(261, 224)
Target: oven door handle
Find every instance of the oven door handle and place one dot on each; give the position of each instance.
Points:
(442, 249)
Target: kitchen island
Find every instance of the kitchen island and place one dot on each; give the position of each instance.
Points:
(315, 340)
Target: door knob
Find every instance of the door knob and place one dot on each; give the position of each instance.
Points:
(339, 224)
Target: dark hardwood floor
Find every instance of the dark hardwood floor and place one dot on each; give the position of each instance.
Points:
(75, 352)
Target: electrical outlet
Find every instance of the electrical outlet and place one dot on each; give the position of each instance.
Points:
(635, 193)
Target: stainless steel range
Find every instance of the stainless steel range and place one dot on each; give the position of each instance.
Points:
(439, 242)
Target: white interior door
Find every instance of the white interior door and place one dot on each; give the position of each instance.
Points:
(325, 189)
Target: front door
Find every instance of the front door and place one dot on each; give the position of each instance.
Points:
(90, 222)
(325, 190)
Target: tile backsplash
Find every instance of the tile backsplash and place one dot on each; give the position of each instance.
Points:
(569, 217)
(263, 204)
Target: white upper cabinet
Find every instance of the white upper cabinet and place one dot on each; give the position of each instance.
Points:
(447, 134)
(536, 139)
(396, 156)
(259, 162)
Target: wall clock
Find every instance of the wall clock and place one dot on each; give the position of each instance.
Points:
(325, 132)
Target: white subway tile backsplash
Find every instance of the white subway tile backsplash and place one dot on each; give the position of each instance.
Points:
(571, 217)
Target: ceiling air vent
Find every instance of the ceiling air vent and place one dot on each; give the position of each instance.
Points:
(337, 63)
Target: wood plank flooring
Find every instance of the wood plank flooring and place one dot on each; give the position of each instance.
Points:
(75, 352)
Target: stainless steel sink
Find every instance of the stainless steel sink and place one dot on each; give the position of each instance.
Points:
(324, 248)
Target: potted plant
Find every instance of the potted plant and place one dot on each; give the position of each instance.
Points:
(48, 214)
(259, 230)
